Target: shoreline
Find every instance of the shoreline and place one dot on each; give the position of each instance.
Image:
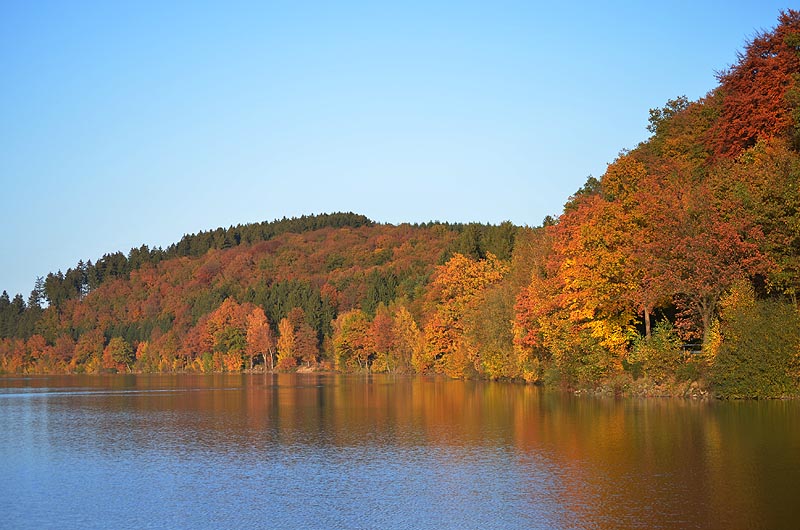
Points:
(625, 387)
(640, 388)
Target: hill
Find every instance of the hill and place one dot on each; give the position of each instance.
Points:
(322, 265)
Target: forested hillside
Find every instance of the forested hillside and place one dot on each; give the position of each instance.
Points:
(679, 268)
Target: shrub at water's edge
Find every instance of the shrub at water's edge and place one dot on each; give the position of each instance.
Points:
(758, 357)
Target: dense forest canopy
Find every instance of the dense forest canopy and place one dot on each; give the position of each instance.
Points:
(678, 268)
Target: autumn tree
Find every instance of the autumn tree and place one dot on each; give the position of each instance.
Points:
(531, 255)
(383, 341)
(529, 272)
(42, 355)
(146, 359)
(591, 252)
(700, 252)
(631, 230)
(533, 304)
(63, 350)
(305, 337)
(407, 340)
(118, 354)
(579, 310)
(88, 352)
(167, 347)
(226, 332)
(680, 132)
(287, 352)
(489, 332)
(455, 288)
(297, 341)
(354, 347)
(260, 339)
(13, 356)
(755, 90)
(762, 185)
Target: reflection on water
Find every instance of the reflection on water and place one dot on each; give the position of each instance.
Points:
(332, 451)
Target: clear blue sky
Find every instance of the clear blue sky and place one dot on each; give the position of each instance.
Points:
(130, 124)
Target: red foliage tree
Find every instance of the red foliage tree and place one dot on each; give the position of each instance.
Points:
(305, 338)
(699, 251)
(754, 91)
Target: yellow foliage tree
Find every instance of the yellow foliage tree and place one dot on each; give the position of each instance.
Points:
(286, 346)
(407, 340)
(456, 289)
(353, 345)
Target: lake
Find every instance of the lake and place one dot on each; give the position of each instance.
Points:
(332, 451)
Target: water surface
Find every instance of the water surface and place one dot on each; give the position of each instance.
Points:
(329, 451)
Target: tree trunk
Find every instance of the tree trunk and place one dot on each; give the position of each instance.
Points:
(706, 313)
(647, 322)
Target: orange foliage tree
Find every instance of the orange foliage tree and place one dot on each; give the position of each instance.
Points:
(594, 318)
(287, 353)
(226, 332)
(43, 356)
(260, 339)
